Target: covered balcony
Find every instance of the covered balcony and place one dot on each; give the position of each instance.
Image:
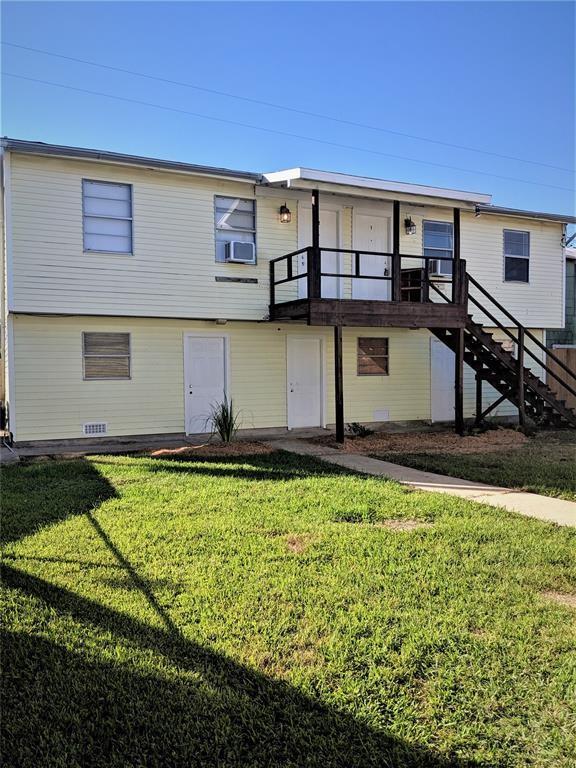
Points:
(322, 284)
(325, 285)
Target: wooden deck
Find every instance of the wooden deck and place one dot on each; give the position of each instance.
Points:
(364, 313)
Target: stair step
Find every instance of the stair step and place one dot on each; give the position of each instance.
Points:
(499, 369)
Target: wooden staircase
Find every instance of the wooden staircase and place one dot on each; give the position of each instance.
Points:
(506, 371)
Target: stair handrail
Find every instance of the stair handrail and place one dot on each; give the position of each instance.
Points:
(522, 331)
(518, 324)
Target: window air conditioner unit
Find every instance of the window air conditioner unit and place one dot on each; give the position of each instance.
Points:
(440, 267)
(237, 252)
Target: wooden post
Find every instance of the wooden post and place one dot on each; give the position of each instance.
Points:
(338, 384)
(459, 382)
(521, 400)
(456, 274)
(315, 267)
(272, 289)
(478, 418)
(396, 267)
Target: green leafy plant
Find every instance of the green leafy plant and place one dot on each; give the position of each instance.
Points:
(359, 430)
(224, 420)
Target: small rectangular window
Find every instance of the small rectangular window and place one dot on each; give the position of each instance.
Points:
(439, 244)
(516, 256)
(372, 356)
(107, 216)
(106, 355)
(235, 219)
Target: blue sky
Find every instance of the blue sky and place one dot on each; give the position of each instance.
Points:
(494, 76)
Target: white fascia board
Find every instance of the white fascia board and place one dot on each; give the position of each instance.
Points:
(292, 175)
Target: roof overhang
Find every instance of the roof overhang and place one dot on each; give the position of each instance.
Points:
(117, 158)
(306, 178)
(500, 211)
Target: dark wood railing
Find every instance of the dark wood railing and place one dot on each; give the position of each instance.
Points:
(418, 279)
(519, 338)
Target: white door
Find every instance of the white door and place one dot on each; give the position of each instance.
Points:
(204, 379)
(304, 382)
(442, 372)
(371, 233)
(329, 238)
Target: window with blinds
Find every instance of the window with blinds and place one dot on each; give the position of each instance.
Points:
(106, 355)
(372, 357)
(107, 216)
(439, 246)
(516, 256)
(234, 219)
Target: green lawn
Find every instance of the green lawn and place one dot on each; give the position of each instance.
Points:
(257, 611)
(546, 465)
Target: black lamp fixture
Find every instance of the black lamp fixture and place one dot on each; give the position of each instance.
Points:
(285, 214)
(409, 226)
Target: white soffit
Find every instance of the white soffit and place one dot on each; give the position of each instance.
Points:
(291, 177)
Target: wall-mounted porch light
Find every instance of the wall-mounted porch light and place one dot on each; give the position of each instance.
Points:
(285, 214)
(409, 226)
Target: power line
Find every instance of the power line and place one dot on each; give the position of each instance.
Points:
(278, 132)
(294, 110)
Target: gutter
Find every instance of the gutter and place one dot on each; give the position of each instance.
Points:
(56, 150)
(497, 209)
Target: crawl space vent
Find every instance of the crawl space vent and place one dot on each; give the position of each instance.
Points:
(95, 428)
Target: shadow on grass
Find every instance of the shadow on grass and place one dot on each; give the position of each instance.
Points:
(38, 494)
(532, 468)
(279, 465)
(63, 709)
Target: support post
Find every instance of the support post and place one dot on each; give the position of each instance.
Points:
(456, 273)
(396, 267)
(459, 382)
(314, 267)
(521, 400)
(478, 418)
(338, 384)
(272, 289)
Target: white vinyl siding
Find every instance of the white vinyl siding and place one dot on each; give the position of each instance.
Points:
(106, 355)
(107, 216)
(172, 270)
(235, 219)
(516, 256)
(152, 401)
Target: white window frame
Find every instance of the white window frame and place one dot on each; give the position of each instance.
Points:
(239, 229)
(107, 378)
(119, 218)
(515, 256)
(443, 250)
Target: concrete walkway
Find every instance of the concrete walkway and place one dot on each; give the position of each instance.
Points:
(528, 504)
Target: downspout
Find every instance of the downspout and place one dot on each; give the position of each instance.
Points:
(6, 296)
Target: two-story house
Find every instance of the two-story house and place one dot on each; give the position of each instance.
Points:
(137, 292)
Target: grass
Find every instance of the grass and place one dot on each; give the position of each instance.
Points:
(545, 465)
(255, 611)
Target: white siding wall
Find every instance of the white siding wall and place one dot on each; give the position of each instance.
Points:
(172, 271)
(537, 304)
(53, 401)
